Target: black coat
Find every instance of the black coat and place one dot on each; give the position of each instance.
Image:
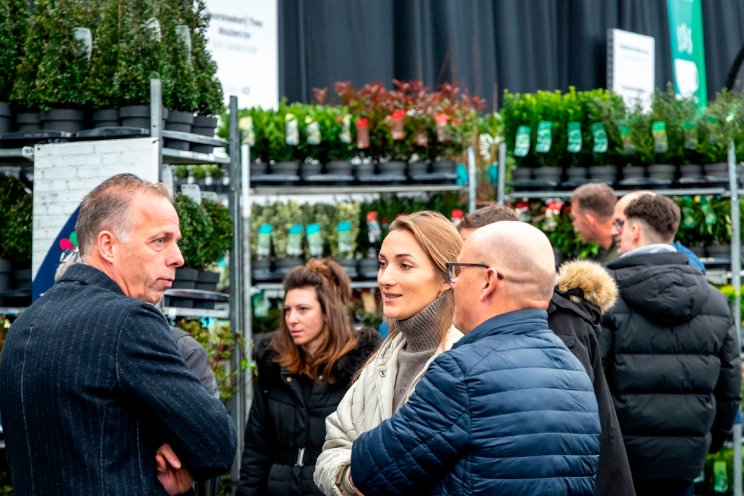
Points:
(281, 421)
(586, 289)
(671, 360)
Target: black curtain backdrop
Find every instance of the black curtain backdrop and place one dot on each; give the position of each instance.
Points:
(484, 45)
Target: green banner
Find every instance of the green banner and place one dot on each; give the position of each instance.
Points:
(688, 52)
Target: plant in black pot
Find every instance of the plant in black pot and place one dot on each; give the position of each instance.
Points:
(24, 98)
(720, 124)
(64, 65)
(196, 234)
(638, 147)
(179, 84)
(219, 245)
(283, 135)
(16, 236)
(209, 95)
(103, 64)
(12, 193)
(14, 16)
(343, 233)
(139, 60)
(669, 113)
(604, 112)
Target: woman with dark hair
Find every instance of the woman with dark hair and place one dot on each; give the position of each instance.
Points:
(418, 303)
(303, 371)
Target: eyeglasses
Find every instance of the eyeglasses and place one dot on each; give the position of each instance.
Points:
(618, 223)
(454, 269)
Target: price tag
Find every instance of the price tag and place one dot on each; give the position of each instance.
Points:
(574, 137)
(599, 133)
(544, 137)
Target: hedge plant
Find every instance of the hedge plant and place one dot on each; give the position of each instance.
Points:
(14, 20)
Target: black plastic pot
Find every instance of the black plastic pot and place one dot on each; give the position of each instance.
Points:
(185, 278)
(444, 167)
(716, 173)
(139, 116)
(6, 274)
(575, 176)
(350, 266)
(284, 265)
(203, 125)
(661, 174)
(720, 253)
(338, 167)
(285, 168)
(28, 121)
(364, 172)
(547, 177)
(392, 167)
(5, 118)
(603, 174)
(634, 175)
(68, 120)
(207, 281)
(368, 268)
(261, 270)
(22, 278)
(105, 118)
(691, 174)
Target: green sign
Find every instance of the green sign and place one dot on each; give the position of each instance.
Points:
(688, 52)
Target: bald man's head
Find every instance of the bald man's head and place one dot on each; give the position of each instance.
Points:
(520, 272)
(618, 216)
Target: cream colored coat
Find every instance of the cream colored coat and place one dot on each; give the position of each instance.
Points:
(366, 404)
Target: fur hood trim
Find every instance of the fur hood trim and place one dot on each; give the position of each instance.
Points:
(592, 278)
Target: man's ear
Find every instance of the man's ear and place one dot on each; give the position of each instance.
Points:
(107, 244)
(488, 285)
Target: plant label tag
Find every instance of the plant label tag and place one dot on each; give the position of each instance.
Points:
(599, 133)
(153, 26)
(661, 142)
(263, 244)
(192, 191)
(627, 139)
(362, 125)
(314, 240)
(544, 137)
(312, 129)
(522, 141)
(344, 238)
(374, 232)
(691, 135)
(261, 305)
(84, 36)
(183, 34)
(292, 130)
(574, 137)
(396, 130)
(294, 243)
(245, 124)
(422, 138)
(345, 135)
(443, 132)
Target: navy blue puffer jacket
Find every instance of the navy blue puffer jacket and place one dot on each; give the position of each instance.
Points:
(508, 411)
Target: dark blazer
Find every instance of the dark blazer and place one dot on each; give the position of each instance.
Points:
(91, 384)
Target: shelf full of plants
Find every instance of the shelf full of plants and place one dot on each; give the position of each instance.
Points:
(82, 70)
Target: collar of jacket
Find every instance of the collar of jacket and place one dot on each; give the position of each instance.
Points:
(516, 322)
(631, 260)
(90, 276)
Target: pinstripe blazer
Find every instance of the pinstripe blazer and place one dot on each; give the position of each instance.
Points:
(91, 384)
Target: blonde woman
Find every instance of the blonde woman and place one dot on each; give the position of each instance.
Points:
(418, 303)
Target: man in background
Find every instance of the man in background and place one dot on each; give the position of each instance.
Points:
(592, 206)
(670, 353)
(92, 387)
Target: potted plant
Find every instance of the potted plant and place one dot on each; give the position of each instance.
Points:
(17, 238)
(605, 111)
(343, 232)
(220, 242)
(63, 68)
(720, 124)
(139, 60)
(285, 217)
(668, 115)
(337, 149)
(196, 234)
(209, 95)
(103, 64)
(12, 193)
(14, 16)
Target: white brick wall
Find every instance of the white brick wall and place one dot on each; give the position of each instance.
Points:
(64, 173)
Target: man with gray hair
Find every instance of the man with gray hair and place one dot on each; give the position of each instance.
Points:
(508, 410)
(591, 214)
(95, 397)
(670, 354)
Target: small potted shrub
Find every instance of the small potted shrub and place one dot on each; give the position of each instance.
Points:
(605, 111)
(219, 244)
(103, 64)
(17, 238)
(668, 115)
(12, 193)
(14, 16)
(196, 234)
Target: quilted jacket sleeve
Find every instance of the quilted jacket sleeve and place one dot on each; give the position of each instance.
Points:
(727, 391)
(332, 468)
(425, 438)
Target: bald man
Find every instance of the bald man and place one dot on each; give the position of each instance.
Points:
(508, 410)
(618, 221)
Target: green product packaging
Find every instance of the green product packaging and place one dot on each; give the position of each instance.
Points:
(720, 476)
(691, 137)
(314, 240)
(294, 241)
(261, 304)
(627, 139)
(263, 244)
(544, 137)
(522, 142)
(292, 130)
(574, 137)
(344, 238)
(599, 133)
(661, 141)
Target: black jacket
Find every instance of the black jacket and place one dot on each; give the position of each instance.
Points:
(585, 290)
(282, 422)
(91, 384)
(671, 360)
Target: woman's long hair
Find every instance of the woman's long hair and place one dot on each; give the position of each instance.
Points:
(333, 289)
(441, 242)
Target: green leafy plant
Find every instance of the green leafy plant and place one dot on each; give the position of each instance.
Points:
(196, 233)
(222, 231)
(666, 106)
(209, 95)
(16, 232)
(14, 20)
(176, 69)
(105, 55)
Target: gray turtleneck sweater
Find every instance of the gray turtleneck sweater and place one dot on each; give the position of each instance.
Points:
(422, 338)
